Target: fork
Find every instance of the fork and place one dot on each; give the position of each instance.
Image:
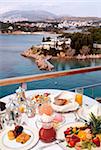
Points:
(76, 117)
(49, 145)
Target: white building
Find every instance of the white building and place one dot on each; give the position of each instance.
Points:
(56, 43)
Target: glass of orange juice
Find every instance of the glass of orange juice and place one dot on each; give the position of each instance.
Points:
(79, 96)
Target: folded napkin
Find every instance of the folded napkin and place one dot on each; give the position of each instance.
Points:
(95, 109)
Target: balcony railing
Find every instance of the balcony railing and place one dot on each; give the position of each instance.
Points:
(23, 79)
(88, 87)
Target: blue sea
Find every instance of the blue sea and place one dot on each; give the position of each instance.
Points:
(12, 64)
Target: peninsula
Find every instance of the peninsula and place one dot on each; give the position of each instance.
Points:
(67, 45)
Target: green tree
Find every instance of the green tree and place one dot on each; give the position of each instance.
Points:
(85, 50)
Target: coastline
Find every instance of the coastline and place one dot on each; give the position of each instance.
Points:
(43, 62)
(29, 33)
(82, 57)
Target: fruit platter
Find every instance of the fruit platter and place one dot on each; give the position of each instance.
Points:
(81, 136)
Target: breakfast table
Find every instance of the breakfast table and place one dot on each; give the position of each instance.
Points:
(69, 116)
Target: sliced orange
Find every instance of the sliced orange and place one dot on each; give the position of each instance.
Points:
(82, 135)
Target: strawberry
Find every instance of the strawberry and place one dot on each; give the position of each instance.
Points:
(67, 139)
(75, 138)
(68, 131)
(96, 141)
(71, 143)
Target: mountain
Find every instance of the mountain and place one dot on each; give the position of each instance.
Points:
(39, 15)
(34, 15)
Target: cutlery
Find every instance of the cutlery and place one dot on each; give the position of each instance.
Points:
(77, 118)
(58, 141)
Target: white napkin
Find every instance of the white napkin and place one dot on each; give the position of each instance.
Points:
(95, 109)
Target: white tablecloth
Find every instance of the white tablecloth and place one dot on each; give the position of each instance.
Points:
(70, 117)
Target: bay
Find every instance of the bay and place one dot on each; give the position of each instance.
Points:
(12, 64)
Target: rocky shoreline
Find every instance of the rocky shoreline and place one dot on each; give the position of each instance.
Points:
(43, 61)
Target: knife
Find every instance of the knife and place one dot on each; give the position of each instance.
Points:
(58, 142)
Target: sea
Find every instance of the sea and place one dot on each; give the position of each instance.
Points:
(12, 64)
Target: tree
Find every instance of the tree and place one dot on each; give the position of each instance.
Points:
(63, 45)
(70, 52)
(85, 50)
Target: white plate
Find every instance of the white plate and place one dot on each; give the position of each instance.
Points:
(60, 135)
(68, 107)
(65, 108)
(6, 144)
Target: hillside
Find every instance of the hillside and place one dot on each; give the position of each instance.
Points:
(18, 15)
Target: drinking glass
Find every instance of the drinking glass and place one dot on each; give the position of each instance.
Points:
(79, 96)
(31, 109)
(12, 115)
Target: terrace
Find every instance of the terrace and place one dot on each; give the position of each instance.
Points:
(70, 116)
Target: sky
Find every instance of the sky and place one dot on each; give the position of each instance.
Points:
(58, 7)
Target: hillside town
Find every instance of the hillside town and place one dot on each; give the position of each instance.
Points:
(58, 26)
(76, 37)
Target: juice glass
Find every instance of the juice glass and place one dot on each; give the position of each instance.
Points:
(79, 96)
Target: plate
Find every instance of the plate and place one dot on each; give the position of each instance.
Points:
(6, 144)
(60, 135)
(67, 107)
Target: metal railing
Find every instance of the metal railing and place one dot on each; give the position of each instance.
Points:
(88, 87)
(23, 79)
